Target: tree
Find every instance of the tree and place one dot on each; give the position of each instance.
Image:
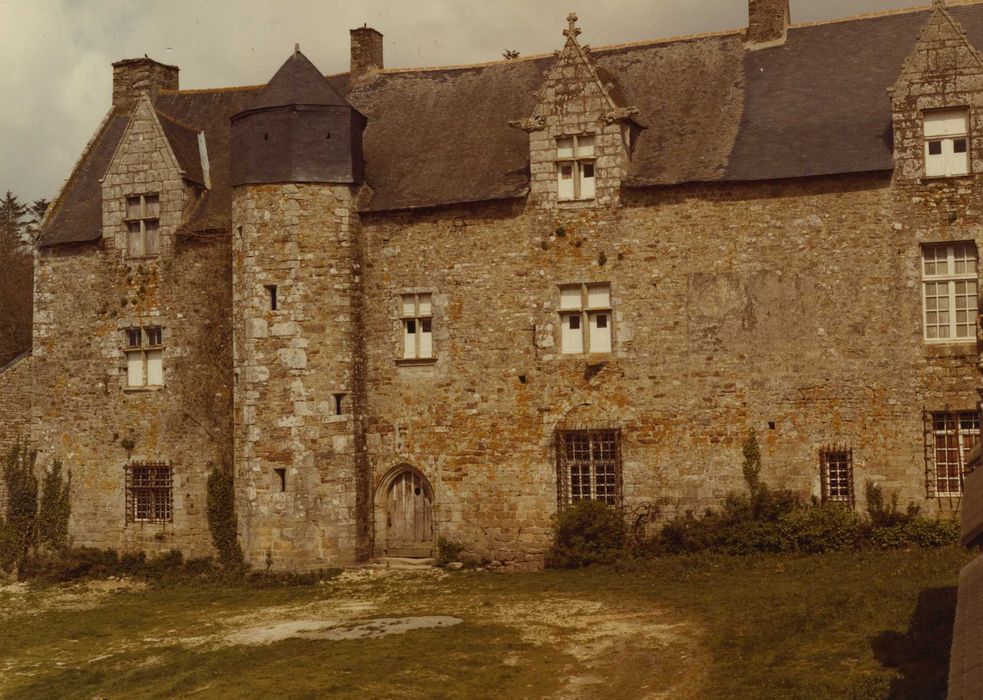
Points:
(12, 213)
(16, 276)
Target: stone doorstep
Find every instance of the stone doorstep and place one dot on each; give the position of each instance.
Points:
(410, 563)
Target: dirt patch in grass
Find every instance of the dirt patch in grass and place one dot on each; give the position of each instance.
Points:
(337, 631)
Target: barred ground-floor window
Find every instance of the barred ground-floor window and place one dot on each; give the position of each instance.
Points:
(149, 492)
(954, 434)
(589, 465)
(836, 475)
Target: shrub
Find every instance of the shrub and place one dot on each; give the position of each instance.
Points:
(222, 516)
(448, 551)
(22, 505)
(54, 509)
(884, 514)
(585, 533)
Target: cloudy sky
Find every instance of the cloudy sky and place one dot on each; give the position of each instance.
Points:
(56, 81)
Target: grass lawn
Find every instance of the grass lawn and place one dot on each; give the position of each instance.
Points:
(849, 625)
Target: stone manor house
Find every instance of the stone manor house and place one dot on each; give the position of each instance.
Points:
(445, 302)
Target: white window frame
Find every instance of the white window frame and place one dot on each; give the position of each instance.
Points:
(138, 227)
(581, 160)
(954, 434)
(138, 346)
(418, 323)
(588, 315)
(945, 130)
(958, 287)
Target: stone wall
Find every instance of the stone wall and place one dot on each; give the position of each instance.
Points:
(86, 296)
(292, 362)
(793, 308)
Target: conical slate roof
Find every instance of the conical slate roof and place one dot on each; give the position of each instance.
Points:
(298, 82)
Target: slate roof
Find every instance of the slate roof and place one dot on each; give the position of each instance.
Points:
(298, 82)
(184, 143)
(714, 111)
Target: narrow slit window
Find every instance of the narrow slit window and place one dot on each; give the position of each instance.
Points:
(271, 292)
(280, 479)
(339, 404)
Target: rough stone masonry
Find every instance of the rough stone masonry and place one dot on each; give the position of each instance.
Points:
(406, 305)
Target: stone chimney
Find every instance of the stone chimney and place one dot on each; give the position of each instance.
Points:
(366, 55)
(134, 77)
(768, 22)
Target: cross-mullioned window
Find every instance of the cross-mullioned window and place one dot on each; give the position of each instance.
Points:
(589, 466)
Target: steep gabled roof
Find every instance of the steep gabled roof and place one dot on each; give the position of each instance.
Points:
(298, 82)
(713, 111)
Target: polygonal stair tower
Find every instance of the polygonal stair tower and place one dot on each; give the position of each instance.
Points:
(301, 476)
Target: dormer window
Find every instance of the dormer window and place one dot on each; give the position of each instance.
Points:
(947, 143)
(575, 167)
(142, 225)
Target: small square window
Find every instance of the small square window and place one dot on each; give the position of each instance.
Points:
(935, 148)
(575, 323)
(133, 337)
(602, 320)
(959, 146)
(153, 336)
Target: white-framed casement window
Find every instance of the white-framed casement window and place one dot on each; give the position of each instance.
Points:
(585, 318)
(947, 143)
(954, 433)
(949, 281)
(416, 318)
(144, 348)
(575, 167)
(142, 225)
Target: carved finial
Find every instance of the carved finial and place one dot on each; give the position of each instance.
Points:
(938, 4)
(571, 30)
(297, 48)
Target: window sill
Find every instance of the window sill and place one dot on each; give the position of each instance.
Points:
(958, 348)
(141, 389)
(943, 178)
(576, 203)
(142, 258)
(415, 361)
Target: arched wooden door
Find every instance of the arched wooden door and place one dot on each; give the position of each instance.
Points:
(409, 516)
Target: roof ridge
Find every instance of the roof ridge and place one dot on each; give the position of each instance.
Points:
(883, 13)
(178, 122)
(552, 54)
(231, 88)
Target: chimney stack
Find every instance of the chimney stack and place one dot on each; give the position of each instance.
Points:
(768, 22)
(366, 55)
(138, 76)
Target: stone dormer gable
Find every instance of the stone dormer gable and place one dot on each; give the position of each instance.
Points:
(937, 104)
(579, 135)
(154, 178)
